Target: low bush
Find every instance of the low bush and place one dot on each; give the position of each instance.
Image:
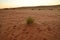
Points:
(30, 20)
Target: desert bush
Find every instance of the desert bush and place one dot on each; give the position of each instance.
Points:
(30, 20)
(32, 9)
(39, 9)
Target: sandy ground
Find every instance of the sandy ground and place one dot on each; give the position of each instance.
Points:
(46, 25)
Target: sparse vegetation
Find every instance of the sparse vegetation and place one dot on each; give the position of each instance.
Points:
(32, 9)
(39, 9)
(27, 24)
(30, 20)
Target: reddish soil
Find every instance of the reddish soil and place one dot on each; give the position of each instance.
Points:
(45, 27)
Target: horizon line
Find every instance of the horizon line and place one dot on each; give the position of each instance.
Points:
(29, 6)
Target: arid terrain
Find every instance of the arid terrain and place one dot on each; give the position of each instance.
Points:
(46, 24)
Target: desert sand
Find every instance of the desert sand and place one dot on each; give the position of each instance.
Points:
(46, 24)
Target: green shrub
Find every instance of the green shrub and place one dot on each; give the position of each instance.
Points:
(30, 20)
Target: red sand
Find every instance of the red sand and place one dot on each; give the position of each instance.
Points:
(46, 25)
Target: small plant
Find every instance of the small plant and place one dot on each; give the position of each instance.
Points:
(30, 20)
(32, 9)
